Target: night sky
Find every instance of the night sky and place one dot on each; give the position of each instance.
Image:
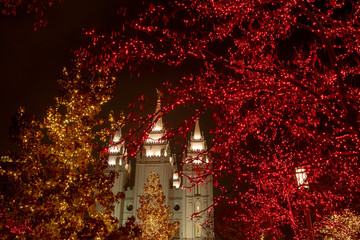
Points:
(32, 61)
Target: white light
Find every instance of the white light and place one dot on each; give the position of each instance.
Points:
(301, 177)
(197, 161)
(197, 137)
(151, 140)
(175, 176)
(114, 149)
(197, 207)
(197, 146)
(112, 160)
(151, 153)
(176, 183)
(157, 128)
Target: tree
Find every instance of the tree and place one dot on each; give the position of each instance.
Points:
(35, 7)
(282, 80)
(56, 177)
(340, 226)
(153, 215)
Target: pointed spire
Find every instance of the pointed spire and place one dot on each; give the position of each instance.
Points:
(158, 105)
(159, 124)
(197, 142)
(197, 133)
(117, 135)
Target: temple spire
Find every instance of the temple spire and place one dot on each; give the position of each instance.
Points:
(117, 135)
(197, 133)
(159, 124)
(197, 142)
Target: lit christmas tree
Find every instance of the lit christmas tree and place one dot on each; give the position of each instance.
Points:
(153, 215)
(56, 176)
(282, 80)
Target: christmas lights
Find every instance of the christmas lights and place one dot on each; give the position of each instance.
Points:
(56, 177)
(282, 79)
(153, 215)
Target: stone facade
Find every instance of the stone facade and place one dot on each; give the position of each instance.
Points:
(155, 156)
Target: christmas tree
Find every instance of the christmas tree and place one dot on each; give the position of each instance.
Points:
(282, 81)
(153, 215)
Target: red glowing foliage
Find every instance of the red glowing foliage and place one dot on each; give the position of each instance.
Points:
(282, 78)
(34, 7)
(11, 228)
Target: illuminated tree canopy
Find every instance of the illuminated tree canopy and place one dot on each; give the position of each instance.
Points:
(282, 80)
(345, 225)
(56, 178)
(153, 215)
(35, 7)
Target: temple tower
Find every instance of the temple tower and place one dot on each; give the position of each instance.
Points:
(201, 195)
(154, 156)
(119, 164)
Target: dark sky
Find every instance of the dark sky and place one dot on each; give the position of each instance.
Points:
(31, 61)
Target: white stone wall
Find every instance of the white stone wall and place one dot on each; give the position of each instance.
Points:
(156, 157)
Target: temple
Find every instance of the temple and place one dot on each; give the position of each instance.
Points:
(155, 156)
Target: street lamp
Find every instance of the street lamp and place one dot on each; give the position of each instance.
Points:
(302, 181)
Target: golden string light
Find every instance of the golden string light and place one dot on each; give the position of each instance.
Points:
(153, 215)
(57, 174)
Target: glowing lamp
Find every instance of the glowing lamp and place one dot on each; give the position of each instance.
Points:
(301, 177)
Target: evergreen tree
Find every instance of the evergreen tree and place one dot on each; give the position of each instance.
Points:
(56, 178)
(282, 79)
(153, 215)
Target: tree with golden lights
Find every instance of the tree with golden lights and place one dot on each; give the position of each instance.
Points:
(153, 215)
(345, 226)
(57, 175)
(281, 78)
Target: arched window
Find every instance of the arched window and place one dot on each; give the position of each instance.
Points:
(198, 230)
(197, 207)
